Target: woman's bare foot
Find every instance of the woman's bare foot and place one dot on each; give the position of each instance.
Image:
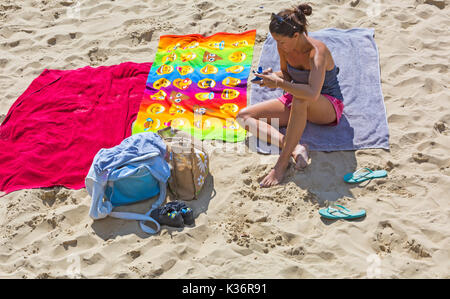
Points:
(274, 177)
(300, 154)
(276, 174)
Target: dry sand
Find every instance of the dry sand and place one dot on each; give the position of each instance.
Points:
(243, 231)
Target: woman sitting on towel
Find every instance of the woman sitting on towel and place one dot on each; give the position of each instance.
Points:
(312, 92)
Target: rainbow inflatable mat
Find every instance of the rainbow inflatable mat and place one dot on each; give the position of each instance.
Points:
(198, 84)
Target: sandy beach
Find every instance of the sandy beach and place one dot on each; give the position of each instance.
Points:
(241, 230)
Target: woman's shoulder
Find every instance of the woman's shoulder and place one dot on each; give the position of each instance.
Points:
(321, 49)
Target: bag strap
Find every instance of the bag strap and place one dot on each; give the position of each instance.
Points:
(173, 167)
(142, 218)
(156, 204)
(192, 170)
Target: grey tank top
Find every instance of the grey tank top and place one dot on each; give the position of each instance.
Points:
(330, 84)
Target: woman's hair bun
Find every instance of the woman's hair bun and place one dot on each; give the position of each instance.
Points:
(306, 9)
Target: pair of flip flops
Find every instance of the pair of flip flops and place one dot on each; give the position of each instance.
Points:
(341, 212)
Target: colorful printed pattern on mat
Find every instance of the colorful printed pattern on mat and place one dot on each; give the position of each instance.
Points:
(198, 84)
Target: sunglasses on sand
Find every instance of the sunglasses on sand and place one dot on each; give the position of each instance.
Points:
(281, 20)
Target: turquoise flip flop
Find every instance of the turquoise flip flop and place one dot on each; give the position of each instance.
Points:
(364, 174)
(342, 213)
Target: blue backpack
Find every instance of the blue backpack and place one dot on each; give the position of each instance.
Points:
(133, 171)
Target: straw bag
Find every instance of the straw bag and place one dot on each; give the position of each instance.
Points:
(188, 161)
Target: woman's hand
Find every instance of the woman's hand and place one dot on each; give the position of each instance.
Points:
(270, 79)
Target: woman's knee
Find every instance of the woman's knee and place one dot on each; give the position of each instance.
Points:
(300, 101)
(244, 114)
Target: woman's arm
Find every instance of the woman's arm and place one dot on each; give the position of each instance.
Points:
(283, 73)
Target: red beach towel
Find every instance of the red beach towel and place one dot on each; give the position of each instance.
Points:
(54, 129)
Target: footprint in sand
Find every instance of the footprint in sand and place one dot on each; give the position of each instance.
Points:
(70, 243)
(51, 41)
(438, 3)
(97, 56)
(387, 238)
(440, 126)
(134, 254)
(417, 249)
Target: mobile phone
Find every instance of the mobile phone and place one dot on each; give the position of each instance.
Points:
(256, 79)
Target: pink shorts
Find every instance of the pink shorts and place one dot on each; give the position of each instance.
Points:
(286, 99)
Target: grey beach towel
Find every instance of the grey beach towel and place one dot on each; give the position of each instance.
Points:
(363, 123)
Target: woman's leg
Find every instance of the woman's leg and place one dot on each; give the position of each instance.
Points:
(250, 118)
(319, 112)
(294, 131)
